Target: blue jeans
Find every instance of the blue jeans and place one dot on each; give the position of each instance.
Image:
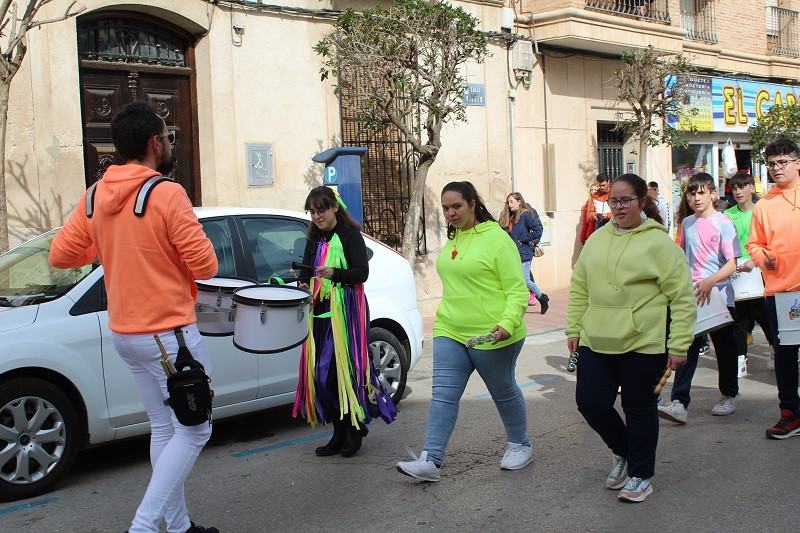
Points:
(599, 377)
(453, 363)
(786, 367)
(526, 273)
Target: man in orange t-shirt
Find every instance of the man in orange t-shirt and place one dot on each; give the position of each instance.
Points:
(773, 246)
(149, 259)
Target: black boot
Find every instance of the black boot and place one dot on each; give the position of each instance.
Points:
(352, 440)
(334, 445)
(544, 302)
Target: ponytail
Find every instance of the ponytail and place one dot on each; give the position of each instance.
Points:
(651, 210)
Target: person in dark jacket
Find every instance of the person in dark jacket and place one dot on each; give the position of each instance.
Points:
(522, 223)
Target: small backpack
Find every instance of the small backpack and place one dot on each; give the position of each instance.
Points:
(190, 395)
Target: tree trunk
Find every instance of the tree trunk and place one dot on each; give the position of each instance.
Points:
(643, 148)
(4, 87)
(411, 225)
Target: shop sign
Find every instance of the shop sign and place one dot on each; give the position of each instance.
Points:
(729, 105)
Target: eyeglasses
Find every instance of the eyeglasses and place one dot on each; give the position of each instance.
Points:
(311, 212)
(622, 202)
(781, 163)
(170, 135)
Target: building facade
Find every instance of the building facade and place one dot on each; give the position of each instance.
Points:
(239, 83)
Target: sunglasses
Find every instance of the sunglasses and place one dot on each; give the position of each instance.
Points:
(170, 135)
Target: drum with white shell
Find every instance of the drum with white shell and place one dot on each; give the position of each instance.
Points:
(713, 315)
(270, 318)
(213, 306)
(747, 285)
(787, 307)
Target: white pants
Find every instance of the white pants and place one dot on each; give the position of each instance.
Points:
(173, 446)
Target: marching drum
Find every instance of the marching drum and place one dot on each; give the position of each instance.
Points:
(213, 307)
(270, 318)
(787, 307)
(713, 315)
(747, 285)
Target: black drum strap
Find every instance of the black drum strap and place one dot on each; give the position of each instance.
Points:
(90, 200)
(141, 197)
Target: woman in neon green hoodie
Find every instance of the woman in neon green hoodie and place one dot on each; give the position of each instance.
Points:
(484, 295)
(631, 313)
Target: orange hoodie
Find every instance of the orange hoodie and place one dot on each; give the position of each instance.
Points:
(776, 228)
(149, 261)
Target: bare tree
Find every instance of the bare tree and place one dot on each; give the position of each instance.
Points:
(18, 18)
(409, 57)
(652, 88)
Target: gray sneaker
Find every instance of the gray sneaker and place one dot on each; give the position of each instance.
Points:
(420, 467)
(673, 411)
(618, 477)
(725, 406)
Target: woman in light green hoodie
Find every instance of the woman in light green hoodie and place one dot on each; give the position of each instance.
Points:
(631, 314)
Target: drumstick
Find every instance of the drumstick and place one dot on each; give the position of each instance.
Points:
(793, 287)
(166, 362)
(664, 378)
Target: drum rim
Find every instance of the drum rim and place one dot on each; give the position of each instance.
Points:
(216, 288)
(250, 350)
(238, 298)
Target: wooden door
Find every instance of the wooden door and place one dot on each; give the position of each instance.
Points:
(103, 93)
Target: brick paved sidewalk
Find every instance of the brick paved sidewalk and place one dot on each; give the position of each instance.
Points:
(537, 322)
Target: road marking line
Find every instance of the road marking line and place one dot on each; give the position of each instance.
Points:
(279, 445)
(29, 505)
(523, 385)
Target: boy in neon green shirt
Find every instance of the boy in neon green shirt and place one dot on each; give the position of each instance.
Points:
(748, 312)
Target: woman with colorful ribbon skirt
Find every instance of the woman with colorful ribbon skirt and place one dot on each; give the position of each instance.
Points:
(631, 314)
(483, 295)
(338, 383)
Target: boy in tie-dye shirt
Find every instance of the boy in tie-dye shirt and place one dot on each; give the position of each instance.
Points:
(711, 245)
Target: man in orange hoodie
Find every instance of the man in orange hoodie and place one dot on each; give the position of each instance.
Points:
(149, 258)
(773, 246)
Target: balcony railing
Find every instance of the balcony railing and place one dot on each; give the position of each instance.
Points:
(650, 10)
(699, 19)
(783, 37)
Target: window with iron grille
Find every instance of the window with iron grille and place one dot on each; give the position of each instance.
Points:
(386, 170)
(130, 41)
(610, 146)
(698, 18)
(650, 10)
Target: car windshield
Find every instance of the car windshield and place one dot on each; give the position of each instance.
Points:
(26, 277)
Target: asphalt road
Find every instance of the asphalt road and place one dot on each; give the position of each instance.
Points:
(260, 474)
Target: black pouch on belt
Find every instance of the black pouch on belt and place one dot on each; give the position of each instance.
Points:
(190, 394)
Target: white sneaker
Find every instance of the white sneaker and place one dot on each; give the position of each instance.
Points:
(725, 406)
(618, 477)
(516, 456)
(420, 467)
(742, 366)
(673, 411)
(771, 362)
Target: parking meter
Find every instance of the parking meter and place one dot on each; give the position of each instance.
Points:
(343, 173)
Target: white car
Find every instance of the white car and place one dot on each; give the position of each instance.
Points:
(63, 387)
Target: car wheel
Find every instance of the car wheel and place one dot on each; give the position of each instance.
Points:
(39, 435)
(390, 360)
